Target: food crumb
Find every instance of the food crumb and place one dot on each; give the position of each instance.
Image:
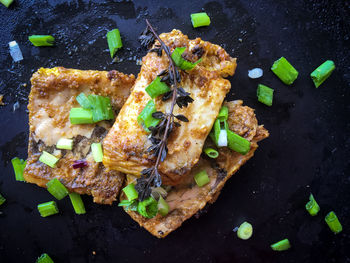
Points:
(94, 252)
(1, 98)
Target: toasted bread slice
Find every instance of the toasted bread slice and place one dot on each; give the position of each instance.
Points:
(52, 96)
(187, 199)
(127, 142)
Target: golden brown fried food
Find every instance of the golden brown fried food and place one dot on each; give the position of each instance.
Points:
(127, 142)
(187, 199)
(52, 96)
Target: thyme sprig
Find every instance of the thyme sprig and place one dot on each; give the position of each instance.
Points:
(151, 177)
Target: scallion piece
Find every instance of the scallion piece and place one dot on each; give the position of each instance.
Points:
(2, 199)
(97, 152)
(223, 113)
(333, 222)
(312, 207)
(77, 203)
(114, 41)
(200, 19)
(157, 88)
(220, 133)
(284, 71)
(281, 245)
(48, 159)
(44, 258)
(66, 144)
(245, 231)
(212, 153)
(202, 178)
(320, 74)
(84, 101)
(18, 167)
(101, 108)
(148, 208)
(130, 192)
(6, 2)
(42, 40)
(80, 116)
(265, 94)
(237, 143)
(48, 209)
(145, 117)
(57, 189)
(129, 205)
(163, 207)
(222, 141)
(179, 61)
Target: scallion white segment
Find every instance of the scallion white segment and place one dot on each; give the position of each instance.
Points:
(66, 144)
(15, 51)
(97, 152)
(222, 138)
(255, 73)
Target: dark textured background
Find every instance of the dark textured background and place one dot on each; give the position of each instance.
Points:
(308, 150)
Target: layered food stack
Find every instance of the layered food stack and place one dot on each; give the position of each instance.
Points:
(154, 148)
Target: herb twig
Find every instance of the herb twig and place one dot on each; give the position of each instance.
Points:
(150, 177)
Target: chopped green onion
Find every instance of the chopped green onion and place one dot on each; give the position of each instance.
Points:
(84, 101)
(130, 192)
(101, 108)
(97, 152)
(223, 114)
(237, 143)
(320, 74)
(281, 245)
(312, 207)
(2, 199)
(80, 116)
(6, 2)
(148, 208)
(114, 41)
(212, 153)
(245, 231)
(44, 258)
(180, 61)
(285, 71)
(57, 189)
(145, 117)
(163, 207)
(77, 203)
(202, 178)
(157, 88)
(265, 94)
(66, 144)
(42, 40)
(220, 128)
(18, 167)
(129, 205)
(48, 159)
(333, 222)
(48, 209)
(200, 19)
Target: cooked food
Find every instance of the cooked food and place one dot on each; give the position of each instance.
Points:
(187, 198)
(52, 96)
(125, 146)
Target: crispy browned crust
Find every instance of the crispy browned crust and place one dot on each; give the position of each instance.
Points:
(187, 199)
(52, 96)
(126, 143)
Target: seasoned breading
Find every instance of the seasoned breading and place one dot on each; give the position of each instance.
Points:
(52, 96)
(127, 142)
(187, 199)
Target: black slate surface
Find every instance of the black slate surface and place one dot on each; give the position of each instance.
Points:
(308, 150)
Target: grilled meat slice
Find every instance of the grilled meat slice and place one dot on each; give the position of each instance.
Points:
(127, 142)
(187, 199)
(52, 96)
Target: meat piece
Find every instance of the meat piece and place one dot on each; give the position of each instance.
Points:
(52, 96)
(187, 199)
(126, 143)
